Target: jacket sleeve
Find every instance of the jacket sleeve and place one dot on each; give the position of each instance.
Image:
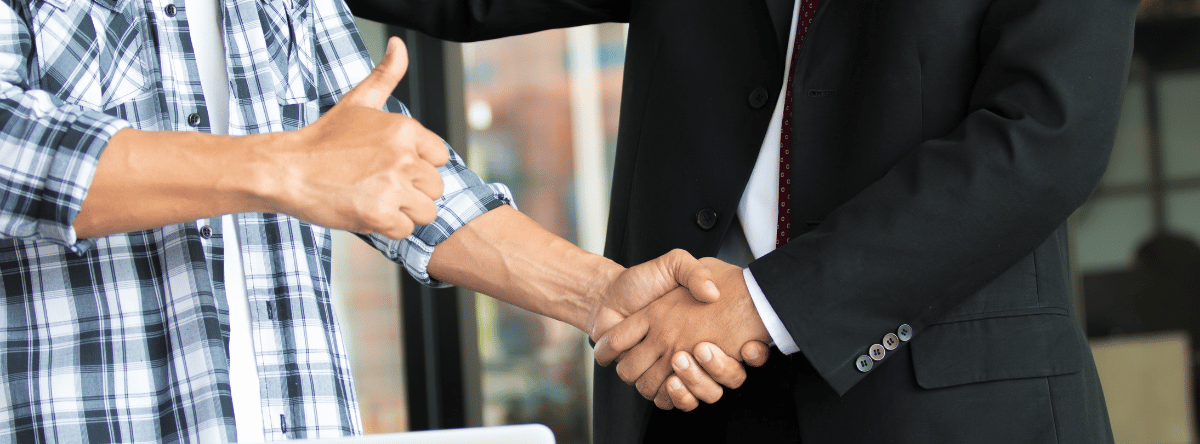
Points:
(474, 20)
(48, 149)
(958, 211)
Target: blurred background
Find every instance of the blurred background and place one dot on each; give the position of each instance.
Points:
(539, 113)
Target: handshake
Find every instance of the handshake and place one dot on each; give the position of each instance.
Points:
(672, 325)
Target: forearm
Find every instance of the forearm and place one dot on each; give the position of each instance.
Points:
(148, 179)
(508, 256)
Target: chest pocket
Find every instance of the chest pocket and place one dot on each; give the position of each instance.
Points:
(91, 53)
(288, 32)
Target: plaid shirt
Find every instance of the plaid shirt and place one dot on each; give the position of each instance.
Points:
(123, 338)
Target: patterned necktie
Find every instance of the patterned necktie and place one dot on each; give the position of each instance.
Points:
(808, 8)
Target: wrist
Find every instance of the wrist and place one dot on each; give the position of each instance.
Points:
(595, 295)
(262, 179)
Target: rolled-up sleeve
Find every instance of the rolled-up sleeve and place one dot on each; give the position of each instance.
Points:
(48, 149)
(465, 197)
(344, 63)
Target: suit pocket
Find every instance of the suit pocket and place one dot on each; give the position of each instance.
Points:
(981, 350)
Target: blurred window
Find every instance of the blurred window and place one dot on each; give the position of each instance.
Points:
(542, 112)
(366, 291)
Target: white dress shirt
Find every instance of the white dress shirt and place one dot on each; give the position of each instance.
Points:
(758, 210)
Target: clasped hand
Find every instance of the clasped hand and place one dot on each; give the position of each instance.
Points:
(652, 345)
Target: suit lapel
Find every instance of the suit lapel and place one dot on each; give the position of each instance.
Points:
(781, 19)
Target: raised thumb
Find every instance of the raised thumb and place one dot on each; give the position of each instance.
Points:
(374, 90)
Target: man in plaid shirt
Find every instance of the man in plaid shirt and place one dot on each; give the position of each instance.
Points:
(115, 319)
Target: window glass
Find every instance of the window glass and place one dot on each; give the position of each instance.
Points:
(366, 292)
(1180, 101)
(1183, 212)
(1129, 163)
(366, 289)
(542, 111)
(1110, 230)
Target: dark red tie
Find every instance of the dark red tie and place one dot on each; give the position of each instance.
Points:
(808, 8)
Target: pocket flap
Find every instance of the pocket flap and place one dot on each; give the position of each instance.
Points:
(991, 349)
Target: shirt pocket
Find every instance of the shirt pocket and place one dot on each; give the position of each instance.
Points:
(91, 52)
(288, 31)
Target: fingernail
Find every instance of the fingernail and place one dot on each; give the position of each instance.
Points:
(752, 353)
(681, 362)
(711, 287)
(704, 354)
(675, 384)
(391, 46)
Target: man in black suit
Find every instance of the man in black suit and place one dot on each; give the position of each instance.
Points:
(936, 149)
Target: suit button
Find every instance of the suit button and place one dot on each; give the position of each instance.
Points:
(706, 219)
(193, 119)
(904, 332)
(170, 10)
(206, 232)
(758, 97)
(864, 363)
(891, 341)
(877, 352)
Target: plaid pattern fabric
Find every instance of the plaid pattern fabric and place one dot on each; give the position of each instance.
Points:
(123, 338)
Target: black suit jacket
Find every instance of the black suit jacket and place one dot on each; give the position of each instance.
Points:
(939, 146)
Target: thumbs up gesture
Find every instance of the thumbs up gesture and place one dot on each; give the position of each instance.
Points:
(359, 168)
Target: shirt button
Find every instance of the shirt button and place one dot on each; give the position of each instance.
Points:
(706, 219)
(206, 232)
(877, 352)
(864, 363)
(193, 119)
(904, 332)
(758, 97)
(170, 10)
(891, 341)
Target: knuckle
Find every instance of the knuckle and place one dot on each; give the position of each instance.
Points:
(664, 400)
(616, 338)
(683, 400)
(372, 219)
(737, 380)
(625, 372)
(403, 228)
(424, 213)
(644, 386)
(437, 185)
(713, 397)
(677, 253)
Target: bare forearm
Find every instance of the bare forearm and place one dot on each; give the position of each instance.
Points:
(150, 179)
(357, 168)
(508, 256)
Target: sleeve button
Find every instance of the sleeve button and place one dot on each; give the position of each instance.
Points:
(864, 363)
(877, 352)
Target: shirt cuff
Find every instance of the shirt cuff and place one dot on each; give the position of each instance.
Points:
(770, 319)
(466, 197)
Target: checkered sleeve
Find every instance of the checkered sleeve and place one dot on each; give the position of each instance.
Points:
(48, 149)
(465, 197)
(345, 62)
